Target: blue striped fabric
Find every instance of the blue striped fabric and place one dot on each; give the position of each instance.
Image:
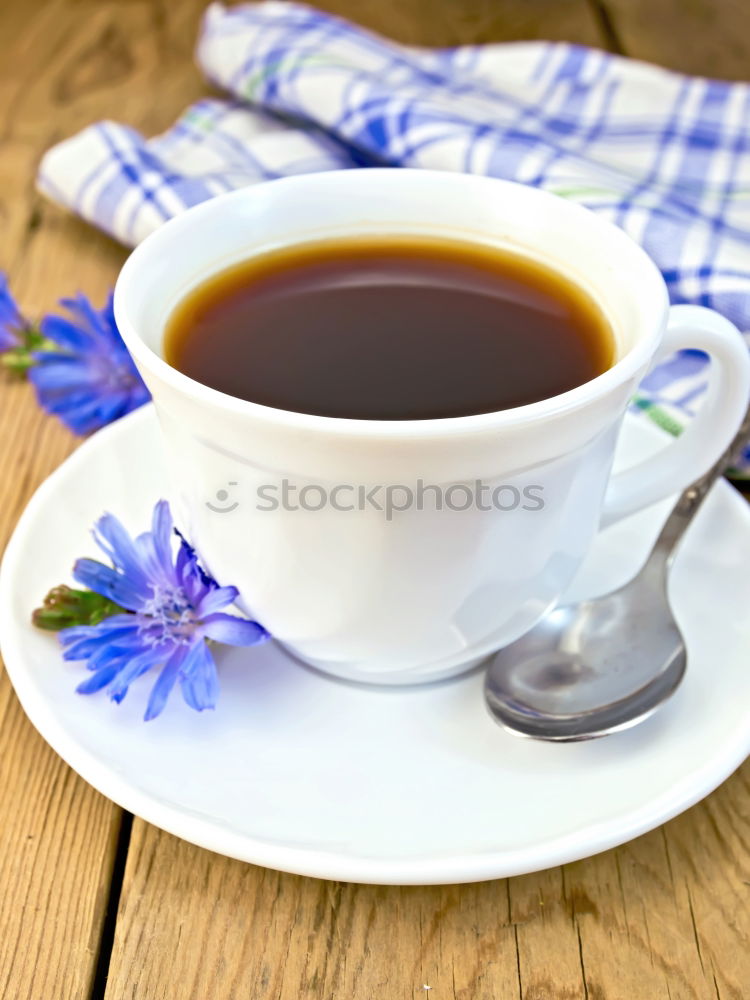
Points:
(664, 156)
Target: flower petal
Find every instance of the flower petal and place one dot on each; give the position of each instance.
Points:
(114, 540)
(65, 333)
(106, 631)
(109, 583)
(99, 680)
(155, 547)
(75, 632)
(216, 598)
(133, 668)
(195, 566)
(12, 323)
(57, 373)
(164, 684)
(107, 653)
(115, 639)
(161, 529)
(199, 680)
(88, 319)
(233, 631)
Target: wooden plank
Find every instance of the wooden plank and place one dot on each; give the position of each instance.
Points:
(693, 36)
(193, 924)
(57, 836)
(458, 22)
(663, 917)
(65, 64)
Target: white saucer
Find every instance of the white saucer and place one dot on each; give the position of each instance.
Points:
(411, 785)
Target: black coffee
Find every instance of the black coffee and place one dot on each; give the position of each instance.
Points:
(390, 328)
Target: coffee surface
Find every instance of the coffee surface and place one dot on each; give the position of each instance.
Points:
(389, 328)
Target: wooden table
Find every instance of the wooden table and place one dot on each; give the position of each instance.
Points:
(94, 903)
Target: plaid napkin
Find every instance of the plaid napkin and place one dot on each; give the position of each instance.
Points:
(664, 156)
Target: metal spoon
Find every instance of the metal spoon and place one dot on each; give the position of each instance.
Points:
(596, 667)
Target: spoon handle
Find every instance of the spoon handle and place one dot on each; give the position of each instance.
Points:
(691, 499)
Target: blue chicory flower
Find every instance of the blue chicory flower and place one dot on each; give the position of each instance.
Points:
(91, 379)
(12, 323)
(175, 607)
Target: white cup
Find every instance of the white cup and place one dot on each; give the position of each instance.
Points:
(422, 594)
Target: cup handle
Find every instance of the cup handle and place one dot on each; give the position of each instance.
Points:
(709, 433)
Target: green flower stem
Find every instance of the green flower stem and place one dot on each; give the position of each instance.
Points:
(63, 606)
(19, 359)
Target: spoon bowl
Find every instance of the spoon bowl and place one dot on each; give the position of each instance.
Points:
(570, 679)
(605, 664)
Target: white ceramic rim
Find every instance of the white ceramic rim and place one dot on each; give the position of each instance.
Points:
(648, 282)
(437, 870)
